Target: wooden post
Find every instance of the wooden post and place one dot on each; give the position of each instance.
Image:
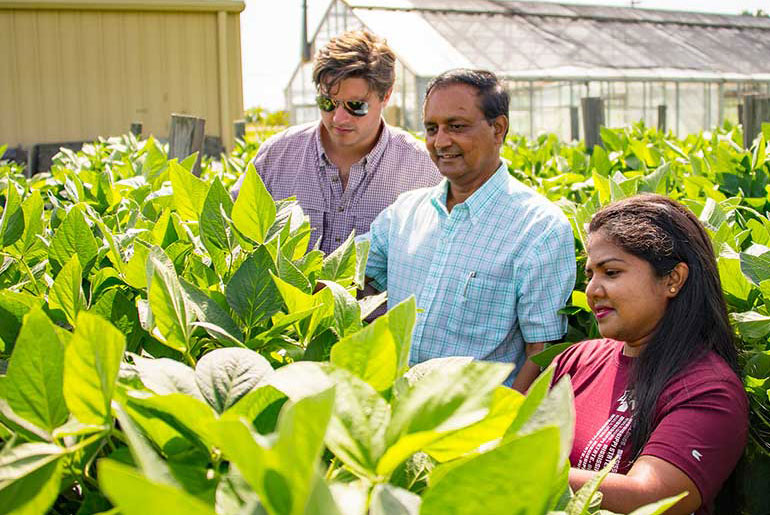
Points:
(136, 129)
(32, 161)
(574, 122)
(662, 117)
(240, 129)
(756, 110)
(186, 137)
(593, 118)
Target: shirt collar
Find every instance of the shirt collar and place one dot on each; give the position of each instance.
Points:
(479, 199)
(371, 159)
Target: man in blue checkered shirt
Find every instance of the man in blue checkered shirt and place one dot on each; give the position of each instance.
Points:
(489, 260)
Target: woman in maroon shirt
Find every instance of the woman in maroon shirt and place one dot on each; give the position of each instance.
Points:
(660, 392)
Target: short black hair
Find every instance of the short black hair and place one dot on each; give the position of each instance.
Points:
(494, 99)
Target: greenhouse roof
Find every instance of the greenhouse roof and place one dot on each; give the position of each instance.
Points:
(538, 40)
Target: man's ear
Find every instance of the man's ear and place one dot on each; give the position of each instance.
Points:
(676, 279)
(387, 96)
(500, 126)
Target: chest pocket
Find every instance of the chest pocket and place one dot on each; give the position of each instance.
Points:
(483, 309)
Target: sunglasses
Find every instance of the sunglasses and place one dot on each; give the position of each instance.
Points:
(354, 107)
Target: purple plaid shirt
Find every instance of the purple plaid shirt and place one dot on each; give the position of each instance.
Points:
(294, 163)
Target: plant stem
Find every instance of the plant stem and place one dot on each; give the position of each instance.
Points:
(331, 469)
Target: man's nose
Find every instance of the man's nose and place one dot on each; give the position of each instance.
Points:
(340, 113)
(442, 139)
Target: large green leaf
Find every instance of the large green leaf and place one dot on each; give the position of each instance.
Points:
(221, 325)
(73, 236)
(92, 360)
(34, 493)
(171, 311)
(514, 478)
(33, 385)
(224, 376)
(379, 353)
(446, 399)
(356, 433)
(12, 219)
(251, 291)
(347, 313)
(390, 500)
(214, 226)
(751, 324)
(165, 376)
(254, 210)
(755, 263)
(67, 291)
(134, 494)
(188, 415)
(284, 475)
(340, 265)
(189, 192)
(33, 224)
(13, 307)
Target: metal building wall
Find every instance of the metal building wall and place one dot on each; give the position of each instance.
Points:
(77, 71)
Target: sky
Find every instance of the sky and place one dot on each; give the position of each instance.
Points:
(271, 34)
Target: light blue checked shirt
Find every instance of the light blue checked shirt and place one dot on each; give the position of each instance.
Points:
(490, 275)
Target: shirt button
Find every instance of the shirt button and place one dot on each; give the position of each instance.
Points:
(341, 209)
(337, 240)
(335, 179)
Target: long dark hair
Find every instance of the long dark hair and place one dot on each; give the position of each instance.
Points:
(665, 233)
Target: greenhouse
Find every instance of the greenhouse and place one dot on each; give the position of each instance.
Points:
(551, 55)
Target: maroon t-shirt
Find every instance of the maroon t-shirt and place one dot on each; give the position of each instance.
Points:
(700, 420)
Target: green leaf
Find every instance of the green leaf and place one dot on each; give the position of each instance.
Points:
(34, 493)
(514, 478)
(67, 291)
(151, 463)
(543, 359)
(188, 415)
(16, 462)
(340, 265)
(171, 312)
(284, 476)
(13, 307)
(214, 226)
(611, 139)
(390, 500)
(379, 353)
(656, 181)
(600, 161)
(580, 503)
(506, 403)
(251, 291)
(356, 433)
(254, 210)
(33, 223)
(12, 219)
(289, 273)
(555, 410)
(92, 360)
(73, 236)
(33, 385)
(224, 376)
(254, 406)
(189, 192)
(751, 324)
(446, 399)
(347, 313)
(755, 263)
(165, 376)
(535, 396)
(207, 310)
(733, 281)
(134, 494)
(136, 269)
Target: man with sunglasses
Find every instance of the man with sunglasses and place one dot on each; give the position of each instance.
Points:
(352, 165)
